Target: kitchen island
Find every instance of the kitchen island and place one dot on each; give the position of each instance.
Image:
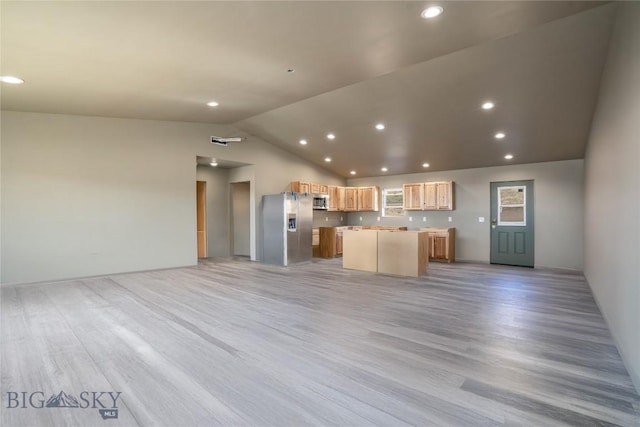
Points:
(402, 253)
(329, 239)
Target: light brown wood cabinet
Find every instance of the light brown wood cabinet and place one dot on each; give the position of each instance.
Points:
(336, 198)
(442, 243)
(368, 199)
(301, 187)
(429, 196)
(343, 199)
(309, 187)
(330, 241)
(413, 197)
(444, 195)
(351, 199)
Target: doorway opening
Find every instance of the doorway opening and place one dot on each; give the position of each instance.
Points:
(240, 219)
(512, 230)
(201, 218)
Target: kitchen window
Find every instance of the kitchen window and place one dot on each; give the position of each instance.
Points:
(392, 202)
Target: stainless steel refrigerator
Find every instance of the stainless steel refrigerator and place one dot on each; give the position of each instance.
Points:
(287, 220)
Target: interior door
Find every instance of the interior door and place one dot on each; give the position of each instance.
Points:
(512, 231)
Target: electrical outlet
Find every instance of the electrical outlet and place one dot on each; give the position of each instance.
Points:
(410, 218)
(360, 218)
(326, 218)
(450, 219)
(481, 219)
(341, 219)
(424, 219)
(378, 218)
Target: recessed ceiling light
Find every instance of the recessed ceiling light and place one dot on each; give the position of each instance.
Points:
(432, 12)
(352, 172)
(331, 136)
(212, 104)
(11, 80)
(425, 165)
(327, 159)
(488, 105)
(303, 142)
(500, 135)
(509, 156)
(380, 126)
(384, 169)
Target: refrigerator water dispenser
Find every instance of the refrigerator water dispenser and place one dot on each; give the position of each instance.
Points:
(293, 226)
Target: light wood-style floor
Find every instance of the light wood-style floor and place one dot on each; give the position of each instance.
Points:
(232, 342)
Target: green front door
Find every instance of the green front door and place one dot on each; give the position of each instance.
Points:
(512, 223)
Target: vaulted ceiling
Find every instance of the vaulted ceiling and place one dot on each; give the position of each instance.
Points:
(356, 64)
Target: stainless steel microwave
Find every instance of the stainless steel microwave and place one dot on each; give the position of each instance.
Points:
(320, 202)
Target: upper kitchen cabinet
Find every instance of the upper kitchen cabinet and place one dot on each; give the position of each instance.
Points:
(445, 191)
(429, 196)
(309, 187)
(343, 199)
(301, 187)
(351, 199)
(368, 199)
(413, 197)
(336, 198)
(319, 188)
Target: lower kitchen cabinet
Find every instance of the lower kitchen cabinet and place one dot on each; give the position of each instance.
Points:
(442, 243)
(330, 241)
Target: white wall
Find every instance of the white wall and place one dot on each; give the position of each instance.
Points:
(329, 219)
(558, 209)
(86, 196)
(612, 190)
(241, 213)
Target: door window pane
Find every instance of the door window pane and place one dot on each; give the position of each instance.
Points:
(512, 214)
(511, 196)
(512, 202)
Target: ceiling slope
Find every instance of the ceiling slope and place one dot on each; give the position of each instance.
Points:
(355, 63)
